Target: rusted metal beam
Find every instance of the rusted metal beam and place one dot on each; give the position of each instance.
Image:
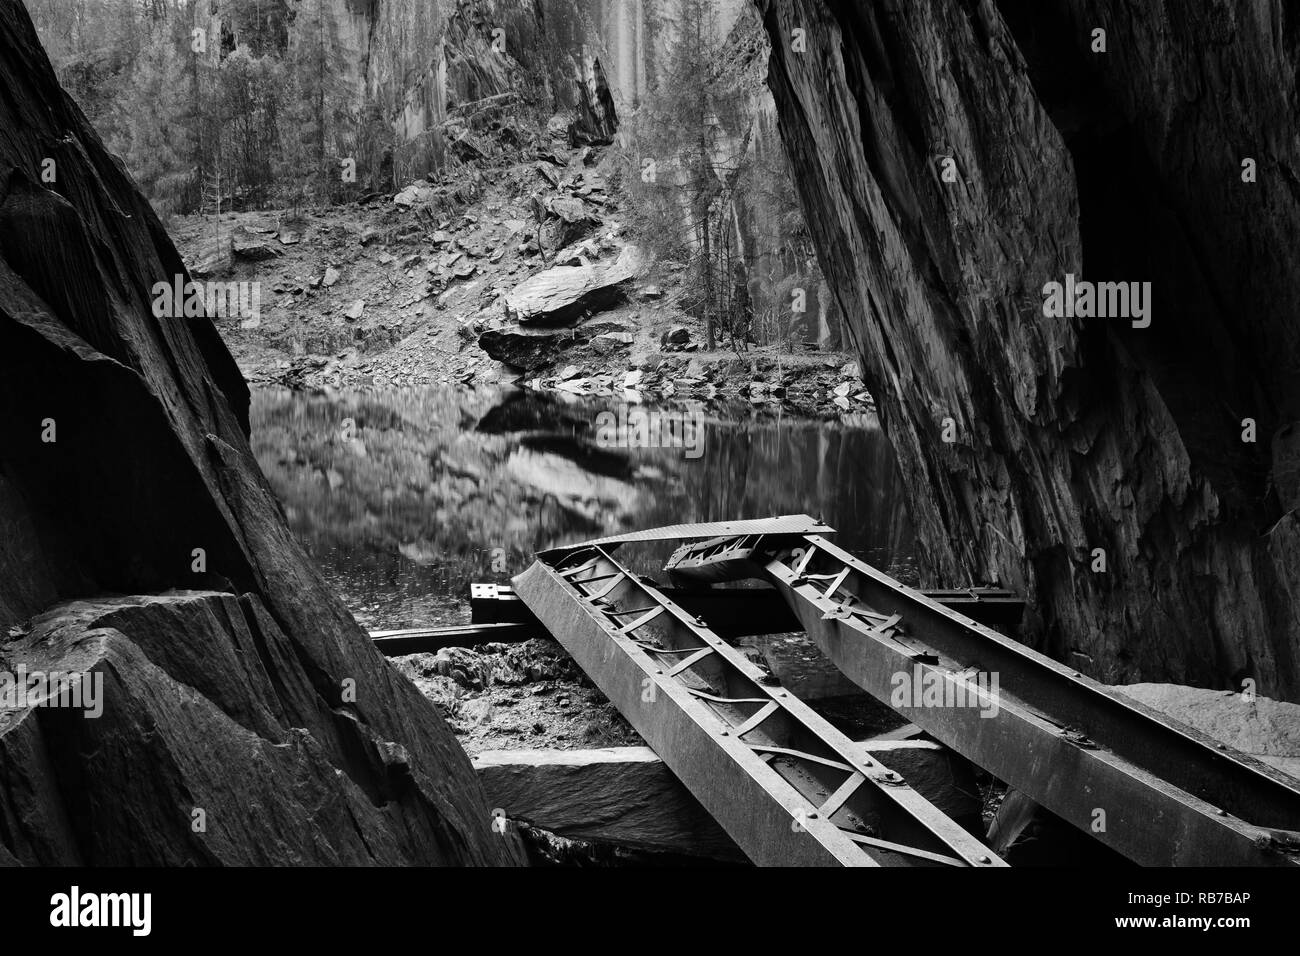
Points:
(787, 787)
(701, 564)
(714, 561)
(1156, 791)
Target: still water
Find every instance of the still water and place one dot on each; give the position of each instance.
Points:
(404, 497)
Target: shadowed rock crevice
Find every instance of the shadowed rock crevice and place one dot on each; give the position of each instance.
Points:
(1134, 223)
(1073, 434)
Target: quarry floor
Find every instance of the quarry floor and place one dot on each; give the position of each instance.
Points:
(533, 696)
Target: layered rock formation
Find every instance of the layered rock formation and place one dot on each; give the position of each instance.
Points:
(245, 716)
(956, 156)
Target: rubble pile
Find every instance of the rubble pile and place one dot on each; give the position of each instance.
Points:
(528, 695)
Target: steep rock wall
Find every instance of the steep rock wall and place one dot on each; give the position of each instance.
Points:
(237, 685)
(595, 61)
(422, 61)
(1071, 435)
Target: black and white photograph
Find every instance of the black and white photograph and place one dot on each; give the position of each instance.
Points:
(702, 439)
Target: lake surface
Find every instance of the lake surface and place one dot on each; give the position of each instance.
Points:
(405, 497)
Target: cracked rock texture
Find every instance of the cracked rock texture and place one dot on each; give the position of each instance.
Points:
(234, 682)
(1072, 435)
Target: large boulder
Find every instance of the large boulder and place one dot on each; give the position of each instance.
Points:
(566, 293)
(246, 718)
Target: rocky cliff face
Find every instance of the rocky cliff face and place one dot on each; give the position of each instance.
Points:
(419, 60)
(1034, 447)
(435, 69)
(245, 716)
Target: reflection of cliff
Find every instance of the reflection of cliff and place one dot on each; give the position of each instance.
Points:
(402, 500)
(405, 497)
(360, 476)
(845, 475)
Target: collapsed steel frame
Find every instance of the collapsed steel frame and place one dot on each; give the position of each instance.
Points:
(1157, 792)
(786, 786)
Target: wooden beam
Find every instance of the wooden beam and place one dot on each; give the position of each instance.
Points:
(428, 640)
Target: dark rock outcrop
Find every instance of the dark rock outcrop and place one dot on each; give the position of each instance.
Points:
(530, 349)
(234, 682)
(957, 155)
(525, 349)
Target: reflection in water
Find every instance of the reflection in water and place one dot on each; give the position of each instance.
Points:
(404, 497)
